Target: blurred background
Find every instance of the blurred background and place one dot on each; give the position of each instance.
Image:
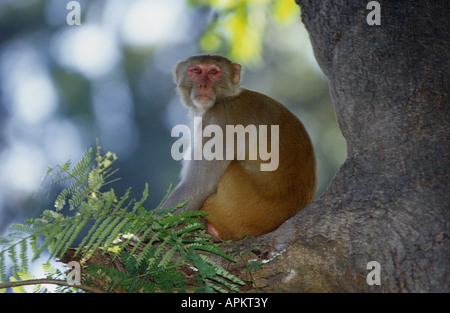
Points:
(63, 86)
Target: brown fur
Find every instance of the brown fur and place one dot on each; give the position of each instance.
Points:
(241, 199)
(252, 203)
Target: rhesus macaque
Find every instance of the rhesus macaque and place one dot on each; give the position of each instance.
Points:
(240, 197)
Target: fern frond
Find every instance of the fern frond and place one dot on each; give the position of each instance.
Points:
(60, 201)
(60, 241)
(231, 286)
(189, 229)
(111, 232)
(156, 210)
(219, 289)
(88, 237)
(57, 173)
(144, 195)
(13, 257)
(95, 240)
(167, 257)
(73, 233)
(79, 194)
(167, 240)
(156, 256)
(34, 243)
(148, 246)
(114, 234)
(82, 169)
(210, 248)
(221, 271)
(125, 244)
(23, 254)
(2, 267)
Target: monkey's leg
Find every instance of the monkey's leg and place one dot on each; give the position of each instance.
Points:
(238, 209)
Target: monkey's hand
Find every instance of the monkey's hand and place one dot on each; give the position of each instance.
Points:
(199, 179)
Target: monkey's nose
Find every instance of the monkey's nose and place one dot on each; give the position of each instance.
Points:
(202, 82)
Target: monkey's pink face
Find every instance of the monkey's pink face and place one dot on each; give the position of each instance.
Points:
(204, 77)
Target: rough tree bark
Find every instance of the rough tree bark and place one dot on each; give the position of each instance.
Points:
(389, 202)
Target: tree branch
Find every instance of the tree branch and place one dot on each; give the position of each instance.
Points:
(49, 281)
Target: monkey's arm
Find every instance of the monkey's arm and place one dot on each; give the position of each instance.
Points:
(199, 179)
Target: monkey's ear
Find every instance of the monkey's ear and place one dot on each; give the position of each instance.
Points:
(236, 73)
(177, 71)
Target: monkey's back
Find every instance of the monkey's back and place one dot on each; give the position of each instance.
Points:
(251, 202)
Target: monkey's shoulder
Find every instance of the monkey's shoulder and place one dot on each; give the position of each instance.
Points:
(254, 97)
(247, 102)
(261, 107)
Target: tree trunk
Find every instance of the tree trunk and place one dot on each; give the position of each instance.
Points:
(389, 202)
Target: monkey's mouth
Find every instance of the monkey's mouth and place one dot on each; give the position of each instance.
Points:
(204, 99)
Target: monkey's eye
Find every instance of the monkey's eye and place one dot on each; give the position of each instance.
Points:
(213, 71)
(196, 70)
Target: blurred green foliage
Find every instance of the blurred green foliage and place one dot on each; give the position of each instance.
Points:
(240, 25)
